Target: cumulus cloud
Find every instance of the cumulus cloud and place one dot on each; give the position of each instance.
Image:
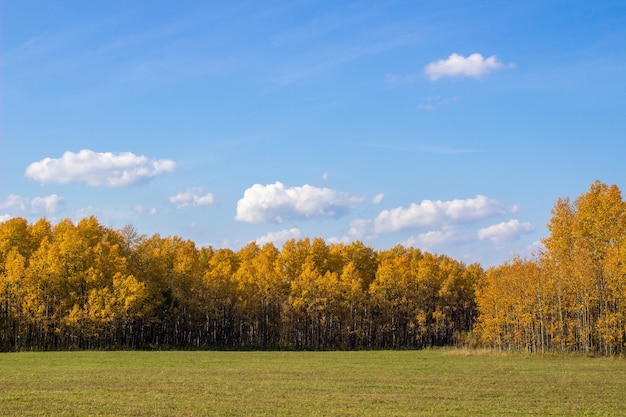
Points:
(39, 205)
(360, 229)
(47, 204)
(279, 237)
(431, 239)
(275, 203)
(505, 231)
(99, 168)
(457, 65)
(191, 198)
(435, 213)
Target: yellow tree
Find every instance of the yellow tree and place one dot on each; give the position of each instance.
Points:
(600, 230)
(291, 259)
(458, 298)
(248, 296)
(171, 271)
(290, 265)
(363, 258)
(301, 308)
(354, 312)
(184, 272)
(612, 323)
(219, 297)
(510, 305)
(16, 233)
(274, 291)
(40, 230)
(116, 299)
(580, 254)
(394, 299)
(261, 293)
(12, 324)
(129, 308)
(313, 304)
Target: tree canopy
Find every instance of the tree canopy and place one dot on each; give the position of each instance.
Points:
(88, 286)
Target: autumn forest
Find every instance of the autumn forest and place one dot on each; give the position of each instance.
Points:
(88, 286)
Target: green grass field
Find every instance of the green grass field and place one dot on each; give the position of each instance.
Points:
(372, 383)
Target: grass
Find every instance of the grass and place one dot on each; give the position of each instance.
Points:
(372, 383)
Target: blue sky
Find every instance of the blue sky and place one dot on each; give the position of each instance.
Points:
(451, 126)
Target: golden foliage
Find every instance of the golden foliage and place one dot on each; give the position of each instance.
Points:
(572, 297)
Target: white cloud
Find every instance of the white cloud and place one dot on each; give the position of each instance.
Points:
(505, 231)
(140, 209)
(339, 240)
(378, 198)
(456, 66)
(88, 211)
(48, 204)
(435, 213)
(14, 202)
(275, 203)
(95, 168)
(279, 237)
(38, 205)
(191, 198)
(431, 239)
(360, 229)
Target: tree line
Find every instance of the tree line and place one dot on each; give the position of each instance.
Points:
(88, 286)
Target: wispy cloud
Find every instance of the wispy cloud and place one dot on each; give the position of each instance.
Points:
(15, 202)
(275, 203)
(96, 169)
(39, 205)
(192, 197)
(378, 198)
(319, 61)
(457, 65)
(143, 210)
(48, 204)
(346, 34)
